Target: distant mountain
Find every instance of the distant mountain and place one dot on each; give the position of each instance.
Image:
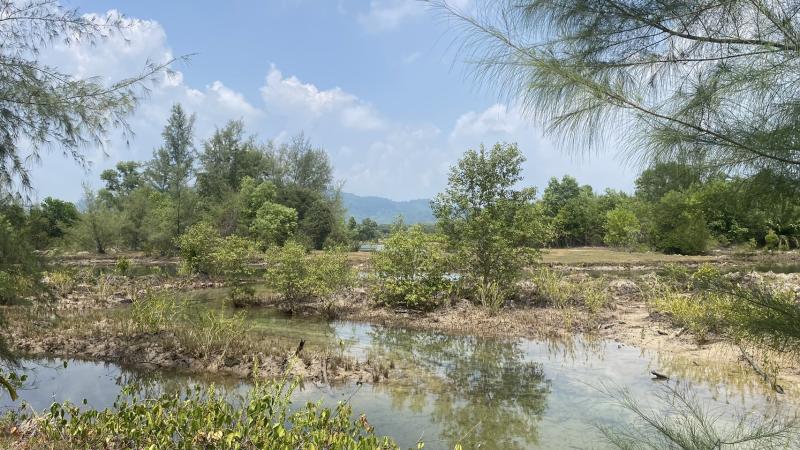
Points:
(384, 210)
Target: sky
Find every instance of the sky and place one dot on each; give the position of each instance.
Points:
(376, 83)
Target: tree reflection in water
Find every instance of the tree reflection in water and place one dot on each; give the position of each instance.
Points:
(483, 393)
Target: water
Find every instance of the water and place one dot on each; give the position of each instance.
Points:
(485, 393)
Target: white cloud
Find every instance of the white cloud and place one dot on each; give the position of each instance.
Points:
(373, 153)
(292, 99)
(384, 15)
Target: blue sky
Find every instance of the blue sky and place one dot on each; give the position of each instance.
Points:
(375, 83)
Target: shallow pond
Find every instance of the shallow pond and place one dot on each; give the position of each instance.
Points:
(485, 393)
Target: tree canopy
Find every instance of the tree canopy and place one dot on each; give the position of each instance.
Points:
(708, 82)
(41, 107)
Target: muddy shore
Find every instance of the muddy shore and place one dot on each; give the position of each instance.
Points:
(627, 319)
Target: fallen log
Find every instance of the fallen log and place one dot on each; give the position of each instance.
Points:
(772, 381)
(659, 376)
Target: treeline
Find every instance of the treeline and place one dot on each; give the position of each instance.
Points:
(262, 191)
(677, 208)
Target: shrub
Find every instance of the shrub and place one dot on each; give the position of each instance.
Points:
(622, 228)
(213, 334)
(203, 251)
(491, 296)
(771, 240)
(196, 246)
(204, 418)
(297, 275)
(62, 281)
(122, 265)
(411, 270)
(330, 272)
(555, 290)
(273, 224)
(700, 314)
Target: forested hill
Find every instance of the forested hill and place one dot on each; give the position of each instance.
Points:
(384, 210)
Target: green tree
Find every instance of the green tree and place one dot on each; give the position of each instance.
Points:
(43, 107)
(367, 230)
(579, 221)
(99, 225)
(273, 224)
(488, 221)
(227, 158)
(699, 82)
(680, 224)
(302, 165)
(622, 228)
(172, 166)
(660, 178)
(558, 193)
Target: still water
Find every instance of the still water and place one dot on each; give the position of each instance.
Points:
(485, 393)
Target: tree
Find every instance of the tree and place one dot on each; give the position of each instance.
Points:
(488, 222)
(699, 82)
(579, 221)
(680, 224)
(368, 230)
(227, 158)
(58, 216)
(622, 228)
(99, 225)
(304, 166)
(172, 166)
(558, 193)
(43, 107)
(273, 224)
(660, 178)
(122, 180)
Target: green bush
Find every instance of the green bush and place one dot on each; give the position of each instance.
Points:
(203, 251)
(622, 228)
(298, 275)
(196, 246)
(680, 224)
(263, 418)
(771, 240)
(273, 224)
(411, 270)
(122, 265)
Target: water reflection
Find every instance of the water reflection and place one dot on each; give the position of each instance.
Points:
(484, 393)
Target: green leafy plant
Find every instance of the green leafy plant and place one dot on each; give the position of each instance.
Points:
(297, 275)
(122, 265)
(491, 296)
(411, 269)
(204, 418)
(494, 228)
(622, 228)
